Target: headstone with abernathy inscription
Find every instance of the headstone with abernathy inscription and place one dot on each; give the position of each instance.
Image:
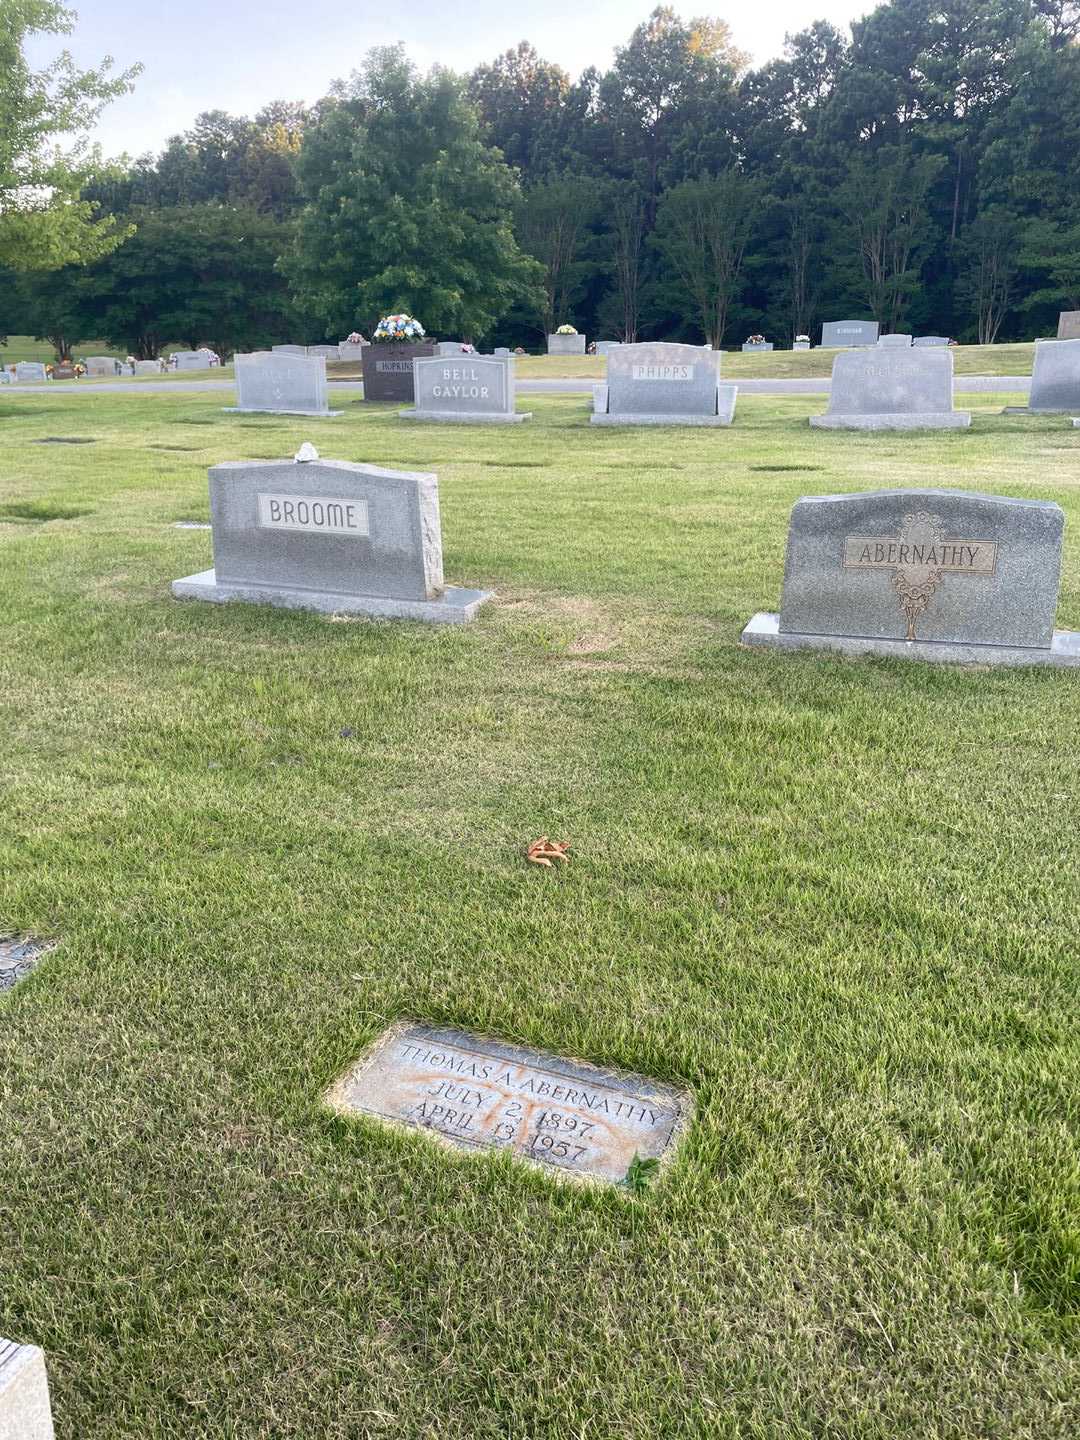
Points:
(940, 575)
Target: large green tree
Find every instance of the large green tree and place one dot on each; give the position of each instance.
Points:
(46, 161)
(702, 230)
(406, 207)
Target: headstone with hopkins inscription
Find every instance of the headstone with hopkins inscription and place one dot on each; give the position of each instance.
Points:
(566, 344)
(64, 372)
(1055, 380)
(281, 384)
(465, 390)
(838, 334)
(388, 369)
(940, 575)
(25, 1412)
(1069, 325)
(329, 536)
(30, 372)
(881, 390)
(481, 1094)
(658, 383)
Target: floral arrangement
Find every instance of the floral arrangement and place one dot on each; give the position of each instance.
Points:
(566, 330)
(755, 340)
(356, 339)
(402, 328)
(800, 339)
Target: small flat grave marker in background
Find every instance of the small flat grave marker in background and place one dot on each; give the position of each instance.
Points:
(940, 575)
(18, 956)
(25, 1413)
(480, 1093)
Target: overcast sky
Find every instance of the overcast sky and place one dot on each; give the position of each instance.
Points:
(237, 55)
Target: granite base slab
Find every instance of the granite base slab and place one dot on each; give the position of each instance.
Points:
(260, 410)
(763, 632)
(1027, 410)
(679, 420)
(930, 420)
(456, 606)
(25, 1413)
(465, 417)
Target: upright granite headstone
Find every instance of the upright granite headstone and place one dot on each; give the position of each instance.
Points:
(465, 390)
(566, 344)
(25, 1412)
(64, 372)
(1055, 379)
(929, 574)
(147, 367)
(98, 365)
(605, 347)
(895, 342)
(501, 351)
(288, 349)
(192, 360)
(800, 345)
(281, 384)
(835, 334)
(657, 383)
(322, 352)
(388, 370)
(883, 390)
(1069, 325)
(446, 348)
(30, 371)
(930, 342)
(751, 345)
(330, 536)
(346, 351)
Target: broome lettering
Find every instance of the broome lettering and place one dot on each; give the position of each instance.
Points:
(315, 514)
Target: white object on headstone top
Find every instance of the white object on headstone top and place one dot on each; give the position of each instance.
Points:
(25, 1413)
(306, 454)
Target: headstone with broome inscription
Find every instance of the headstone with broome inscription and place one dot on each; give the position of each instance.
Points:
(388, 370)
(941, 575)
(281, 384)
(30, 371)
(836, 334)
(479, 1093)
(1069, 325)
(1055, 379)
(880, 389)
(466, 390)
(657, 383)
(25, 1412)
(330, 536)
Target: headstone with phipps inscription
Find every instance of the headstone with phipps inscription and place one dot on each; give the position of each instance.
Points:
(657, 383)
(480, 1094)
(892, 388)
(927, 574)
(327, 535)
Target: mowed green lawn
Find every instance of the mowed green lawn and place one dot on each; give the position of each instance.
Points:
(838, 899)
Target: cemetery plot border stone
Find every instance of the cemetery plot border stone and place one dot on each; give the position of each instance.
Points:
(19, 955)
(388, 370)
(886, 389)
(839, 334)
(329, 536)
(25, 1412)
(659, 383)
(1055, 380)
(478, 1093)
(269, 384)
(939, 575)
(1069, 325)
(465, 390)
(566, 344)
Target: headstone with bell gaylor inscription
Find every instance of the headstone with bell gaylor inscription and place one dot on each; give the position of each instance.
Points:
(657, 383)
(1069, 325)
(886, 389)
(482, 1094)
(1055, 380)
(465, 390)
(838, 334)
(25, 1412)
(272, 384)
(939, 575)
(330, 536)
(388, 369)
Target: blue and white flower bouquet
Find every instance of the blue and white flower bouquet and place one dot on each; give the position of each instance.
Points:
(402, 328)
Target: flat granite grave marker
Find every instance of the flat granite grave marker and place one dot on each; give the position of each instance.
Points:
(836, 334)
(25, 1412)
(941, 575)
(883, 389)
(388, 370)
(465, 390)
(30, 372)
(566, 344)
(482, 1094)
(1055, 380)
(18, 956)
(1069, 325)
(659, 383)
(330, 536)
(269, 384)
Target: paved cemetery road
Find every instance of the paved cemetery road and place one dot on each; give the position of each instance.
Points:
(964, 384)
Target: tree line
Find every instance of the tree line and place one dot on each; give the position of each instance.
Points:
(923, 170)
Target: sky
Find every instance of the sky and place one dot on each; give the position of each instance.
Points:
(238, 55)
